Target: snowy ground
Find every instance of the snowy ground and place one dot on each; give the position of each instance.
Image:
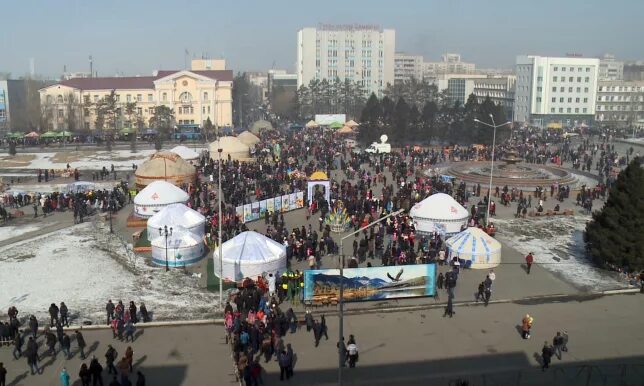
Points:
(52, 187)
(11, 231)
(122, 160)
(558, 246)
(84, 267)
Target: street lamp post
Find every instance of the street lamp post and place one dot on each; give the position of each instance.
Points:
(110, 210)
(489, 191)
(221, 258)
(166, 232)
(341, 299)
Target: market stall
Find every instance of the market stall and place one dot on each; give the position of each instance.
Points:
(475, 249)
(249, 254)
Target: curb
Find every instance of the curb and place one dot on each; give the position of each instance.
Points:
(365, 311)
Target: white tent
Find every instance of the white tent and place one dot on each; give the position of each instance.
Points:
(439, 213)
(156, 196)
(250, 254)
(475, 249)
(248, 138)
(185, 153)
(184, 248)
(179, 217)
(231, 146)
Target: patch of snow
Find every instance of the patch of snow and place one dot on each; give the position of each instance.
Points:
(50, 187)
(95, 160)
(558, 246)
(9, 232)
(84, 267)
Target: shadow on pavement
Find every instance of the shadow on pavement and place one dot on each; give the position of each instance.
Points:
(166, 375)
(16, 380)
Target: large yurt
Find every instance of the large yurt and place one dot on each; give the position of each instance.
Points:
(231, 146)
(249, 254)
(185, 152)
(178, 216)
(184, 248)
(259, 126)
(475, 249)
(165, 166)
(157, 196)
(248, 138)
(439, 213)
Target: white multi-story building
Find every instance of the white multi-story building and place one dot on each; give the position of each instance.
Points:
(360, 53)
(620, 104)
(407, 67)
(500, 89)
(555, 89)
(610, 69)
(450, 64)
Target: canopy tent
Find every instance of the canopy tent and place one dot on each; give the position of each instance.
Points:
(185, 153)
(475, 249)
(345, 130)
(248, 138)
(336, 125)
(183, 248)
(165, 166)
(439, 213)
(259, 126)
(231, 146)
(50, 134)
(65, 133)
(33, 134)
(177, 216)
(351, 124)
(15, 135)
(249, 254)
(311, 124)
(156, 196)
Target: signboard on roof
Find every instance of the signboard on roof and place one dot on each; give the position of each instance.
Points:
(328, 119)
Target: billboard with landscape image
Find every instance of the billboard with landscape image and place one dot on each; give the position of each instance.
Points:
(371, 283)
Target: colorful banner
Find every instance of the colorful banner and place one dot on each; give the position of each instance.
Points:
(255, 210)
(370, 283)
(270, 206)
(285, 203)
(239, 212)
(278, 204)
(262, 209)
(292, 201)
(299, 202)
(248, 213)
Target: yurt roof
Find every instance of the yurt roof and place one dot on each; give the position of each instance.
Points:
(473, 241)
(229, 145)
(165, 164)
(176, 215)
(179, 239)
(345, 130)
(160, 193)
(251, 248)
(185, 152)
(311, 124)
(248, 138)
(351, 123)
(439, 206)
(319, 176)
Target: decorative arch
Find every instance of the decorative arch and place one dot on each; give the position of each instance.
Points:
(319, 178)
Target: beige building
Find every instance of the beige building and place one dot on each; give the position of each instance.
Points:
(194, 95)
(620, 103)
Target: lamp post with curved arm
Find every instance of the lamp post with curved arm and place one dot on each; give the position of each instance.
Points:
(165, 232)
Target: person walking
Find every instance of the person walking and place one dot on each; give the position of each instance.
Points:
(481, 292)
(282, 360)
(50, 340)
(96, 370)
(64, 311)
(529, 259)
(129, 356)
(18, 341)
(449, 309)
(109, 309)
(80, 340)
(64, 377)
(440, 280)
(546, 356)
(53, 314)
(84, 375)
(110, 357)
(308, 320)
(3, 375)
(564, 344)
(487, 294)
(352, 351)
(526, 325)
(557, 344)
(66, 345)
(32, 355)
(33, 326)
(324, 328)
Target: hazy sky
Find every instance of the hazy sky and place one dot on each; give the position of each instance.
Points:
(136, 37)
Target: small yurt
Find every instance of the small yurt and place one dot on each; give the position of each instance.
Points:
(231, 146)
(475, 249)
(184, 248)
(439, 213)
(185, 152)
(249, 254)
(165, 166)
(248, 138)
(157, 196)
(178, 216)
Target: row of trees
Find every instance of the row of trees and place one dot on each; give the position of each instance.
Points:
(406, 123)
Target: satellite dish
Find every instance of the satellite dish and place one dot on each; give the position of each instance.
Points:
(384, 138)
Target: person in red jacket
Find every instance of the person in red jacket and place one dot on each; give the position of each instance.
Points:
(529, 259)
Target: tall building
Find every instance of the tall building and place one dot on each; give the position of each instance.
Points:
(634, 71)
(555, 89)
(281, 80)
(359, 53)
(500, 89)
(450, 64)
(620, 103)
(407, 67)
(610, 69)
(193, 95)
(20, 104)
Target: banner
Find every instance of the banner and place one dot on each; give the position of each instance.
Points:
(248, 214)
(370, 283)
(262, 209)
(292, 198)
(299, 202)
(270, 206)
(239, 212)
(285, 204)
(254, 211)
(278, 204)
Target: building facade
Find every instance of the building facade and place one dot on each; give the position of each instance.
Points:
(610, 69)
(193, 95)
(620, 104)
(500, 89)
(20, 104)
(450, 64)
(407, 67)
(555, 90)
(359, 53)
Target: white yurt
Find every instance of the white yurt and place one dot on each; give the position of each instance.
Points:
(231, 146)
(184, 248)
(475, 249)
(157, 196)
(165, 166)
(248, 138)
(178, 216)
(250, 254)
(439, 213)
(185, 152)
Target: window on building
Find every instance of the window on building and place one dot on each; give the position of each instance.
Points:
(554, 99)
(585, 100)
(150, 98)
(562, 89)
(569, 100)
(208, 109)
(556, 68)
(561, 109)
(117, 97)
(539, 78)
(571, 69)
(539, 89)
(563, 78)
(95, 98)
(561, 100)
(569, 89)
(587, 79)
(85, 99)
(61, 113)
(86, 112)
(576, 109)
(554, 78)
(579, 79)
(128, 98)
(205, 96)
(571, 79)
(586, 89)
(577, 100)
(164, 97)
(569, 110)
(185, 97)
(538, 99)
(578, 89)
(552, 109)
(587, 69)
(554, 89)
(139, 110)
(59, 99)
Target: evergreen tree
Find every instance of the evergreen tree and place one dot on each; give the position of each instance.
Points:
(415, 127)
(400, 129)
(615, 235)
(370, 121)
(428, 121)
